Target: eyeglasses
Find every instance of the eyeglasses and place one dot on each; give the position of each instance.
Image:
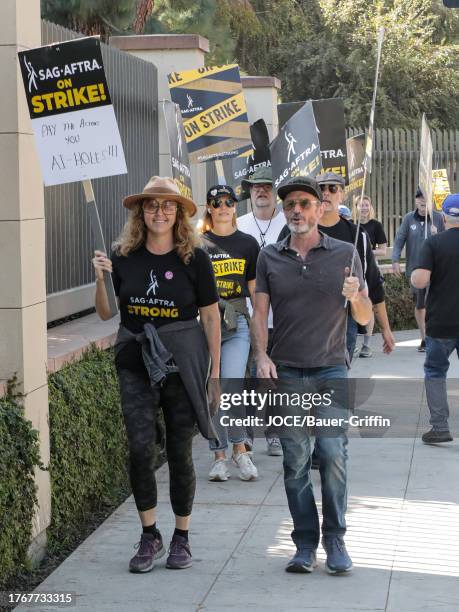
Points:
(331, 188)
(289, 205)
(217, 203)
(168, 207)
(261, 186)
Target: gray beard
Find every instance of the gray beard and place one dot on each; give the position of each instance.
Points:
(302, 229)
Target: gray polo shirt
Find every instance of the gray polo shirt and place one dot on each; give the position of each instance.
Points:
(309, 318)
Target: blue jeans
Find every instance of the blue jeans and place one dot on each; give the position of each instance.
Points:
(332, 453)
(436, 365)
(233, 362)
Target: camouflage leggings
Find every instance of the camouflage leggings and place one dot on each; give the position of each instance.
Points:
(141, 404)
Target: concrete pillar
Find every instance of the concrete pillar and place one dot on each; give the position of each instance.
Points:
(261, 96)
(169, 53)
(23, 345)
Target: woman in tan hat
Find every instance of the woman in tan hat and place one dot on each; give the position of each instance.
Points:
(163, 281)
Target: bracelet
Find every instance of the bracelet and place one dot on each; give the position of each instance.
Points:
(100, 280)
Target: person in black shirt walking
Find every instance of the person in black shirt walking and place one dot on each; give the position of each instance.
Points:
(438, 269)
(163, 281)
(378, 240)
(234, 259)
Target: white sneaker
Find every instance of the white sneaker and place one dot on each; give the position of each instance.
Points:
(274, 447)
(219, 471)
(247, 469)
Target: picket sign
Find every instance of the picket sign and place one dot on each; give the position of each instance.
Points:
(220, 172)
(99, 241)
(74, 122)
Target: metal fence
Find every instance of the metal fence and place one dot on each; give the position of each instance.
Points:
(69, 244)
(394, 178)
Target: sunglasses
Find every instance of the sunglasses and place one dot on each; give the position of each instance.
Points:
(218, 203)
(304, 204)
(331, 188)
(168, 207)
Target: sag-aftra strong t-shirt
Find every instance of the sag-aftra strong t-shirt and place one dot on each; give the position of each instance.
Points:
(160, 289)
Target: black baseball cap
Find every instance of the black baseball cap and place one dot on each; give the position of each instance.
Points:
(220, 190)
(300, 183)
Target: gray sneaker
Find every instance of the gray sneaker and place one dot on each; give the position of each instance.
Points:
(338, 559)
(179, 553)
(365, 351)
(274, 447)
(149, 548)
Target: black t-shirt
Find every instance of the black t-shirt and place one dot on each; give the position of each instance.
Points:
(340, 231)
(440, 255)
(376, 232)
(234, 260)
(159, 289)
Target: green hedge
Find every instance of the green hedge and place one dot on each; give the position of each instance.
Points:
(400, 306)
(88, 465)
(19, 456)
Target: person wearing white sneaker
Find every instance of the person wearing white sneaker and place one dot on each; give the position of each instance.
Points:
(219, 472)
(247, 470)
(234, 258)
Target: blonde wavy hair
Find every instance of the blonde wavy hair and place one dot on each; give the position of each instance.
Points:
(134, 234)
(371, 214)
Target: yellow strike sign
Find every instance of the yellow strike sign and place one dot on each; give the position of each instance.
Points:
(214, 117)
(441, 187)
(73, 96)
(179, 79)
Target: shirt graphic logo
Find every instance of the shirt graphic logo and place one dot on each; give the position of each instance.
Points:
(413, 227)
(153, 284)
(190, 101)
(290, 141)
(31, 74)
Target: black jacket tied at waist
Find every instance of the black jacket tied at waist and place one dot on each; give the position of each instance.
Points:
(180, 347)
(157, 359)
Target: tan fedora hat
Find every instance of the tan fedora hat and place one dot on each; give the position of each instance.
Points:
(161, 187)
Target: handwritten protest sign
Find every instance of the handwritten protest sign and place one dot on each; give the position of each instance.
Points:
(72, 114)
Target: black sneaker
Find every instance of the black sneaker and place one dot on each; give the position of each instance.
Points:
(436, 437)
(422, 347)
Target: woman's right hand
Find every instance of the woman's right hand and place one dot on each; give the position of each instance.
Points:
(101, 264)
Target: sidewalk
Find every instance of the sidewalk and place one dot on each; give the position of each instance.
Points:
(402, 516)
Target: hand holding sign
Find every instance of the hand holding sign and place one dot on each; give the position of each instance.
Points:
(350, 286)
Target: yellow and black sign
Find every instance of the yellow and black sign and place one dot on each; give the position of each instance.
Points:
(441, 187)
(213, 110)
(64, 77)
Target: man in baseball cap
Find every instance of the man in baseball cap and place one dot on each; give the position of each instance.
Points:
(264, 223)
(438, 268)
(410, 235)
(309, 344)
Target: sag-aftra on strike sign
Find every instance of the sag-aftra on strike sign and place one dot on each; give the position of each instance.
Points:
(213, 111)
(72, 114)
